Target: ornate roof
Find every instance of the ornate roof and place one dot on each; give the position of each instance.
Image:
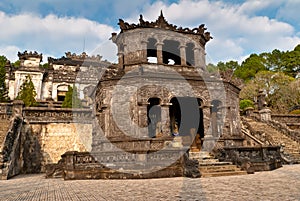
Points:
(26, 54)
(74, 60)
(162, 23)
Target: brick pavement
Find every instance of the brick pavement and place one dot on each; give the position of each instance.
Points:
(280, 184)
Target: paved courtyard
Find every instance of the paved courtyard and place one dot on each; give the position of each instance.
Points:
(280, 184)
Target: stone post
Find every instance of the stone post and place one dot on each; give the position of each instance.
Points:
(182, 55)
(265, 114)
(159, 53)
(18, 108)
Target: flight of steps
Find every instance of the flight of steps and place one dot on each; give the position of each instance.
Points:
(211, 167)
(291, 148)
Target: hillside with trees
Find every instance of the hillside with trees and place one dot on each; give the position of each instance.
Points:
(277, 73)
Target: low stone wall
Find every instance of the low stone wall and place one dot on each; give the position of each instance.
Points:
(291, 120)
(252, 159)
(51, 132)
(286, 118)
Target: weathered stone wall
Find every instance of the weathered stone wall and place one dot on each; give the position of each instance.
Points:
(291, 120)
(50, 132)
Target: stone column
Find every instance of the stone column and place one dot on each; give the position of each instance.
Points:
(202, 58)
(159, 53)
(143, 119)
(144, 51)
(197, 56)
(182, 55)
(165, 119)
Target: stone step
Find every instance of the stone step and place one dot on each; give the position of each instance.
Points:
(219, 174)
(219, 168)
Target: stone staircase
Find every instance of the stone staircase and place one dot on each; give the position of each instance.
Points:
(291, 148)
(211, 167)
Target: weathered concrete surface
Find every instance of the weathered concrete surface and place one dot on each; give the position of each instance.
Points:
(280, 184)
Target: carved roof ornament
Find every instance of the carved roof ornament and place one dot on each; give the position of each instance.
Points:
(26, 55)
(162, 23)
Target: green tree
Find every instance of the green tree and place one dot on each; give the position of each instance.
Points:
(16, 64)
(71, 100)
(252, 65)
(3, 89)
(276, 86)
(27, 93)
(246, 103)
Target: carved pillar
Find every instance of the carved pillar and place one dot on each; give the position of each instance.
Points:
(142, 119)
(214, 122)
(202, 58)
(165, 119)
(197, 56)
(206, 119)
(144, 51)
(182, 55)
(159, 53)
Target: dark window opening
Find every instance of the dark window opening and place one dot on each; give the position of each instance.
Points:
(152, 51)
(190, 59)
(171, 52)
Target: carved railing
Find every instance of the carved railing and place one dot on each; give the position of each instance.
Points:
(10, 162)
(259, 158)
(57, 115)
(283, 128)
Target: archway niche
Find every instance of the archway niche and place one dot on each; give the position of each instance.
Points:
(152, 50)
(61, 92)
(190, 56)
(171, 52)
(186, 116)
(154, 117)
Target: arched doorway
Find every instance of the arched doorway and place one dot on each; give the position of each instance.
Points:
(186, 118)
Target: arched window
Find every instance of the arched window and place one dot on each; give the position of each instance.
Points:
(171, 52)
(61, 92)
(151, 50)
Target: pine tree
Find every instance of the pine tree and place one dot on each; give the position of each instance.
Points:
(27, 93)
(71, 100)
(3, 89)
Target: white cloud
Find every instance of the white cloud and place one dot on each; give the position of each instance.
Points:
(236, 30)
(53, 35)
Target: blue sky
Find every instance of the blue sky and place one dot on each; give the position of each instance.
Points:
(239, 27)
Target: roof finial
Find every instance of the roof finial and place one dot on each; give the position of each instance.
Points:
(161, 13)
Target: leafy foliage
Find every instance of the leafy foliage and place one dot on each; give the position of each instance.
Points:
(295, 112)
(3, 89)
(246, 103)
(281, 92)
(71, 100)
(17, 63)
(27, 93)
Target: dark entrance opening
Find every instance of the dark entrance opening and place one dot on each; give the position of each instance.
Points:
(154, 117)
(185, 116)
